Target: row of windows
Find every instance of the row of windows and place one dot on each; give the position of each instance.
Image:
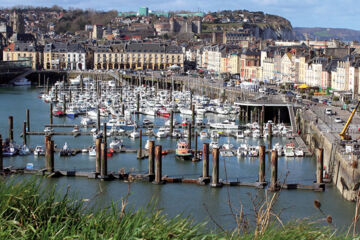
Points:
(132, 55)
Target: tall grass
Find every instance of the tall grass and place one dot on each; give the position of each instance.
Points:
(29, 210)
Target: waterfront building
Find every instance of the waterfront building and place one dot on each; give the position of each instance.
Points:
(64, 56)
(250, 64)
(27, 52)
(138, 56)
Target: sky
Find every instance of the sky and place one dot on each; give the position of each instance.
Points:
(301, 13)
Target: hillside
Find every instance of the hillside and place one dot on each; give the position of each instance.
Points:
(327, 33)
(259, 24)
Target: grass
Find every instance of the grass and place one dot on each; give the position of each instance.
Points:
(31, 211)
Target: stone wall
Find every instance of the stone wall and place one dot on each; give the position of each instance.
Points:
(343, 168)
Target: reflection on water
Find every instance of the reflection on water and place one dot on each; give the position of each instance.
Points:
(188, 199)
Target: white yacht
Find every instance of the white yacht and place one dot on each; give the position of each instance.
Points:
(213, 144)
(204, 134)
(162, 133)
(116, 145)
(38, 151)
(224, 125)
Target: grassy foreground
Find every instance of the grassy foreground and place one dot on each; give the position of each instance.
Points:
(30, 211)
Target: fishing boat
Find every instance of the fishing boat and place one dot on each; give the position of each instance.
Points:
(182, 151)
(277, 147)
(163, 113)
(86, 121)
(134, 134)
(256, 133)
(185, 111)
(226, 124)
(48, 130)
(162, 133)
(92, 151)
(10, 150)
(226, 153)
(66, 151)
(24, 150)
(204, 134)
(76, 129)
(299, 152)
(117, 145)
(176, 133)
(253, 151)
(213, 145)
(240, 134)
(147, 122)
(215, 134)
(38, 151)
(22, 82)
(242, 150)
(289, 150)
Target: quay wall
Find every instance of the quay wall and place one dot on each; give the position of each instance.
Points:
(342, 168)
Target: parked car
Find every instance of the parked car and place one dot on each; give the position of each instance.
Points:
(328, 111)
(338, 120)
(315, 100)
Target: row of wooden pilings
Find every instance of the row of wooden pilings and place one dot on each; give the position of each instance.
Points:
(155, 164)
(155, 158)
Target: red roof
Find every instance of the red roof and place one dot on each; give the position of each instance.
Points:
(10, 47)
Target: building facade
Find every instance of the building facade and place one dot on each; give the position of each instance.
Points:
(138, 56)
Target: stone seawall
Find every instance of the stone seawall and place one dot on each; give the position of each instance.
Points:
(342, 168)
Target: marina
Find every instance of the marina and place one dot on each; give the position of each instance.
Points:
(242, 171)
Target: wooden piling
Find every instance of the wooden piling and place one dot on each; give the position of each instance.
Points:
(261, 123)
(51, 114)
(122, 109)
(193, 115)
(171, 123)
(195, 157)
(151, 160)
(50, 165)
(215, 168)
(319, 165)
(269, 130)
(262, 164)
(137, 103)
(158, 165)
(105, 134)
(205, 155)
(139, 152)
(189, 135)
(28, 119)
(103, 172)
(24, 133)
(98, 119)
(1, 154)
(47, 151)
(64, 103)
(279, 116)
(274, 171)
(11, 128)
(98, 154)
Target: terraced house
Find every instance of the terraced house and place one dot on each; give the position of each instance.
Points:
(64, 56)
(29, 54)
(142, 56)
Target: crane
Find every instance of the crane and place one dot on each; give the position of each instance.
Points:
(344, 135)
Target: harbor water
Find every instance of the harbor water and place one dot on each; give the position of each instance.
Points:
(188, 199)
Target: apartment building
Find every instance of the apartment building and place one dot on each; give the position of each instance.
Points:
(31, 54)
(154, 56)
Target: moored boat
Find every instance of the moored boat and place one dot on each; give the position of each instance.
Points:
(182, 151)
